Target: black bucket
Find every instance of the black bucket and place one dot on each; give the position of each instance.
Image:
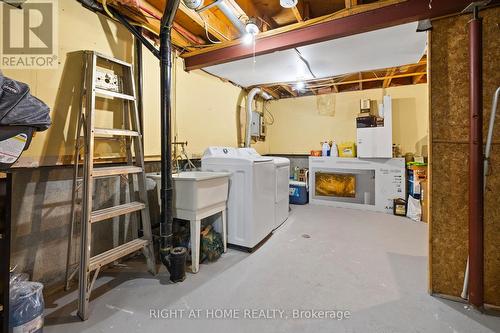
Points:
(178, 264)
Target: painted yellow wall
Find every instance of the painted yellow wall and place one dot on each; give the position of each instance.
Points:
(206, 110)
(78, 29)
(299, 127)
(205, 107)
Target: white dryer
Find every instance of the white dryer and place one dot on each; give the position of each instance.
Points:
(281, 186)
(250, 205)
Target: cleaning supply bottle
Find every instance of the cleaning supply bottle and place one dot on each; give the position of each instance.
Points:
(296, 172)
(335, 150)
(325, 149)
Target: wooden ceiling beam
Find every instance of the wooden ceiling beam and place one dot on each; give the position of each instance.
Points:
(307, 10)
(318, 84)
(369, 17)
(350, 3)
(388, 77)
(297, 14)
(418, 78)
(292, 92)
(216, 27)
(271, 92)
(299, 10)
(249, 9)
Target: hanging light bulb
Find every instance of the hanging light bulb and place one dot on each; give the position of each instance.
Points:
(252, 30)
(248, 39)
(299, 86)
(288, 3)
(193, 4)
(251, 26)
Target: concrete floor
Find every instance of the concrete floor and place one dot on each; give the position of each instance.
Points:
(372, 265)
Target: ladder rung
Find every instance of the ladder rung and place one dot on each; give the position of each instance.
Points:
(116, 253)
(114, 94)
(115, 131)
(107, 213)
(108, 58)
(115, 170)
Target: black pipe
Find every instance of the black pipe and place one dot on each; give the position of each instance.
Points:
(166, 208)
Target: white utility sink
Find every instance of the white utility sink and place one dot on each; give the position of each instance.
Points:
(197, 190)
(198, 195)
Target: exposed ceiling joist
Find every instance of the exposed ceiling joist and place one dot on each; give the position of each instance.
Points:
(379, 79)
(350, 3)
(290, 90)
(271, 92)
(388, 78)
(297, 14)
(361, 18)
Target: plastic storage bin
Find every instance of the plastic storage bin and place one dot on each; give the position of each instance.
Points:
(298, 193)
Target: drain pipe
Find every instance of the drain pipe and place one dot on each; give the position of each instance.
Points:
(249, 104)
(166, 218)
(476, 204)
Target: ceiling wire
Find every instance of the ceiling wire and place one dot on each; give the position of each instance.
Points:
(208, 35)
(305, 62)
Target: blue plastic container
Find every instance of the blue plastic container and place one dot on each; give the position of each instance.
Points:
(298, 193)
(26, 307)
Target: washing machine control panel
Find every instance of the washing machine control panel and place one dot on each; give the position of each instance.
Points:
(220, 151)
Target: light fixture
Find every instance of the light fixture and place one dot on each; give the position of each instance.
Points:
(288, 3)
(252, 30)
(193, 4)
(248, 39)
(251, 27)
(299, 86)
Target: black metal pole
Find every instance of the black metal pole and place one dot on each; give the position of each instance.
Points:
(166, 218)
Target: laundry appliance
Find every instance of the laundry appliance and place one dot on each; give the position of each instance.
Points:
(250, 205)
(281, 186)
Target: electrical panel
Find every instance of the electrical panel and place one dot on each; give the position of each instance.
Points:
(256, 125)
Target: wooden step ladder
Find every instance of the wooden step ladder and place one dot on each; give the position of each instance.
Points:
(87, 133)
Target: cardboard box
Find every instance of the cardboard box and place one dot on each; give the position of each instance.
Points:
(416, 175)
(424, 200)
(347, 149)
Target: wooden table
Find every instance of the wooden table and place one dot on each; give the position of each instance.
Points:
(5, 225)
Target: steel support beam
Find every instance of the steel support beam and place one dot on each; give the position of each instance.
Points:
(391, 15)
(476, 205)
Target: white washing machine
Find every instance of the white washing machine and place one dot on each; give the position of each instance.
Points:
(250, 205)
(281, 190)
